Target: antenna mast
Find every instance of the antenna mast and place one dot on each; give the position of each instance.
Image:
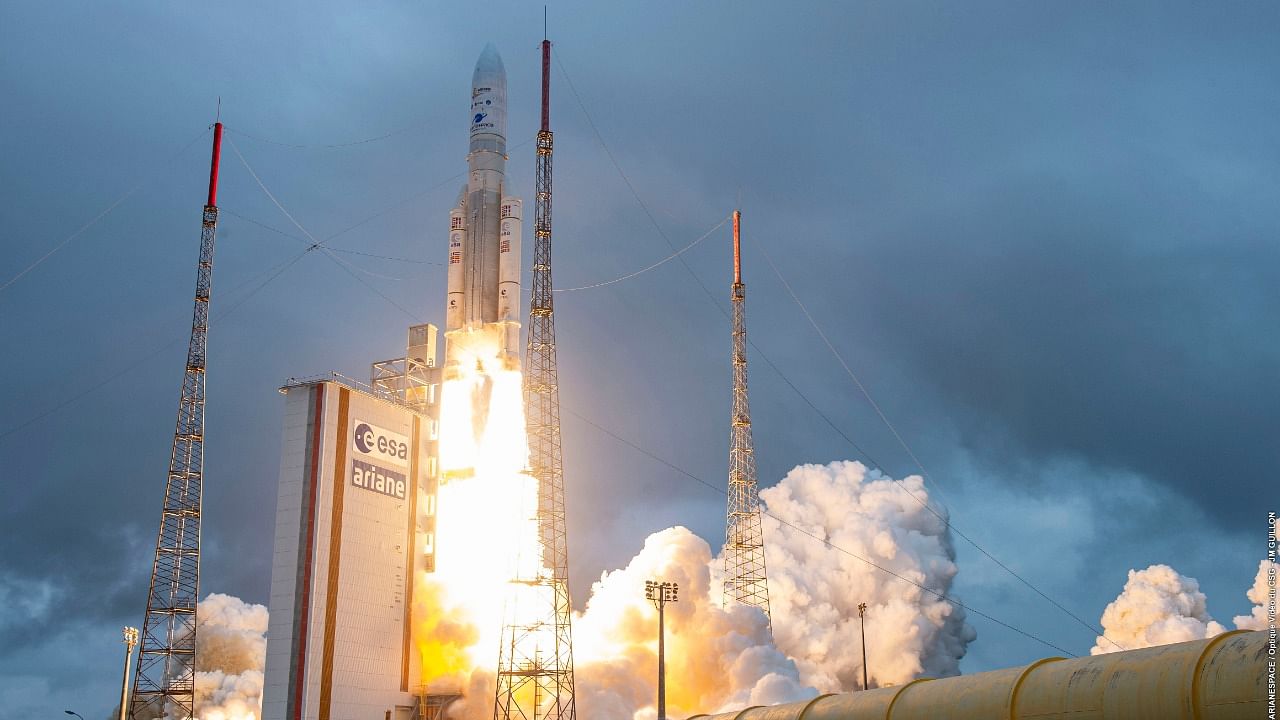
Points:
(164, 685)
(535, 663)
(744, 568)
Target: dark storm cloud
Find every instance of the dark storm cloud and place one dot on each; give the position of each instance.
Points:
(1087, 278)
(1133, 342)
(1059, 237)
(1040, 233)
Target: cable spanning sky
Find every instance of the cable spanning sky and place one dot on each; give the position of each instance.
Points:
(1043, 237)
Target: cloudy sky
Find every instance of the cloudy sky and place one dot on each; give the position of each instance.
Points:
(1043, 236)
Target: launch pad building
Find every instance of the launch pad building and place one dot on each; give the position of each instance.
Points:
(356, 506)
(354, 525)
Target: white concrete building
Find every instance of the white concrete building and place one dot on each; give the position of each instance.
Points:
(354, 524)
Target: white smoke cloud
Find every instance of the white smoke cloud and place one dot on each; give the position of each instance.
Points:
(716, 658)
(223, 696)
(1157, 607)
(1262, 594)
(720, 659)
(476, 702)
(231, 650)
(232, 635)
(815, 589)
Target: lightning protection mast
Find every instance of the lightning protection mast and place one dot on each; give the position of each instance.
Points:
(535, 663)
(744, 571)
(165, 682)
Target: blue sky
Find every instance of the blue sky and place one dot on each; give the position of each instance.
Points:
(1043, 235)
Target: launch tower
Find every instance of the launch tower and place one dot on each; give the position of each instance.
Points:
(535, 663)
(744, 570)
(165, 681)
(355, 526)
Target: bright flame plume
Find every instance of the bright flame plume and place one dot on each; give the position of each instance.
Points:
(487, 527)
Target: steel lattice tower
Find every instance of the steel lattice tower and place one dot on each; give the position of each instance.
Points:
(165, 680)
(535, 662)
(744, 571)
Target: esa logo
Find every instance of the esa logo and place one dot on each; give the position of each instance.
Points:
(381, 444)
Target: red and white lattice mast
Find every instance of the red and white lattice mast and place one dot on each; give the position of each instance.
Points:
(535, 663)
(744, 571)
(164, 685)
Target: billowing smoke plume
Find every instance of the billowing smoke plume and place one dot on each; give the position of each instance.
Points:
(231, 650)
(1157, 606)
(1262, 595)
(716, 658)
(815, 588)
(719, 659)
(222, 696)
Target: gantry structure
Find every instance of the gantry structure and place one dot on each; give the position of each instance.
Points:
(744, 569)
(164, 685)
(535, 663)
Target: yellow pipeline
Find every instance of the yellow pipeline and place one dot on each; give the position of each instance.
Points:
(1218, 679)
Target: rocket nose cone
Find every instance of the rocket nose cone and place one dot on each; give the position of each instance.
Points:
(489, 66)
(489, 101)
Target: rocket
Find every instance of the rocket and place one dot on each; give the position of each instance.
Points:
(484, 235)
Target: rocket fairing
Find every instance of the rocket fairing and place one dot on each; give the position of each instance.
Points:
(485, 229)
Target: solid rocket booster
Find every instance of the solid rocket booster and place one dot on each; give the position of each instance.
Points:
(485, 230)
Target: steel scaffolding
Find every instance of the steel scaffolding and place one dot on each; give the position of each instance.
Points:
(744, 568)
(535, 663)
(165, 681)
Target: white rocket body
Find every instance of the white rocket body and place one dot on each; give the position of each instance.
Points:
(484, 235)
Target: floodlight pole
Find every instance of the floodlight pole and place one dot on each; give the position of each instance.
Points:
(862, 617)
(667, 593)
(130, 639)
(661, 594)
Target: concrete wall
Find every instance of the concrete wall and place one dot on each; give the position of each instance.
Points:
(338, 642)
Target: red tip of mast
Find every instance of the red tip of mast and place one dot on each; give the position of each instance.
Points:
(546, 85)
(213, 165)
(737, 247)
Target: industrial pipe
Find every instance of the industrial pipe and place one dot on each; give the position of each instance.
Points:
(1222, 678)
